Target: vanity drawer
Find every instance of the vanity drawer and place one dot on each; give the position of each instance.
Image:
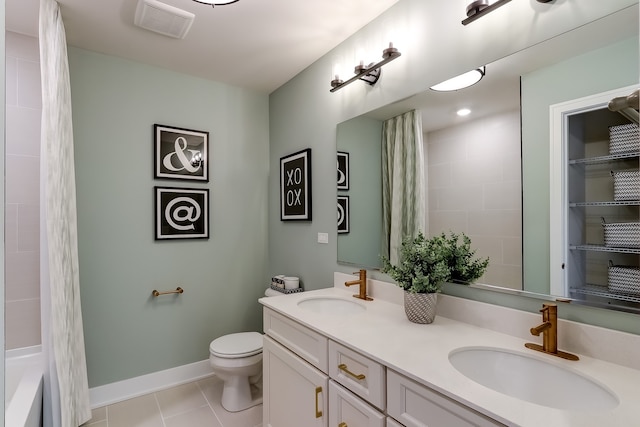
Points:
(345, 409)
(415, 405)
(306, 343)
(358, 373)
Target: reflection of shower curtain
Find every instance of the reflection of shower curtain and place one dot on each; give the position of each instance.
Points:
(403, 194)
(66, 400)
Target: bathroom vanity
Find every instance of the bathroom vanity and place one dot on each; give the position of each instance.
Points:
(333, 360)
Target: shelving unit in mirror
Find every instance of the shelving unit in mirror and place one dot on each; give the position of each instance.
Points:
(602, 208)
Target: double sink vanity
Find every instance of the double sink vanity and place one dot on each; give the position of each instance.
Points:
(334, 360)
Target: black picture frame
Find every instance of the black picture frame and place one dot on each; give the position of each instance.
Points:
(343, 214)
(181, 213)
(295, 186)
(181, 154)
(343, 170)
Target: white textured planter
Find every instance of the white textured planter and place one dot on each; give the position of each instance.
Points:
(420, 308)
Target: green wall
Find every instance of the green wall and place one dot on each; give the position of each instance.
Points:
(435, 46)
(127, 332)
(584, 75)
(361, 137)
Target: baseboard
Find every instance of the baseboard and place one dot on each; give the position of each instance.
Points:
(126, 389)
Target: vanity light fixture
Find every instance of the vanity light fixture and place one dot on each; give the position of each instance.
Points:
(478, 8)
(369, 73)
(463, 112)
(214, 3)
(462, 81)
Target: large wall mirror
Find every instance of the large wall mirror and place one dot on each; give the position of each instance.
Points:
(488, 173)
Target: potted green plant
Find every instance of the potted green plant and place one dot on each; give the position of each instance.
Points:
(463, 266)
(421, 271)
(426, 264)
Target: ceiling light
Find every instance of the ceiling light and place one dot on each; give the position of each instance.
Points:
(215, 3)
(463, 112)
(460, 82)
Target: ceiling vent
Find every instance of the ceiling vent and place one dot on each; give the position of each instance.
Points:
(162, 18)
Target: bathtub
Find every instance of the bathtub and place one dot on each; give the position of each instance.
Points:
(23, 388)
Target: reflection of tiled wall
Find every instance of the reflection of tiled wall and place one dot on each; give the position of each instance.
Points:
(474, 187)
(22, 248)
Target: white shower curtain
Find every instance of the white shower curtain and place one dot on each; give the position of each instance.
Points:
(403, 192)
(66, 399)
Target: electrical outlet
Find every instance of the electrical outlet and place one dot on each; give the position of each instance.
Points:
(323, 237)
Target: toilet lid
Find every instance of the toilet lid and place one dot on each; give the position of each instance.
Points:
(232, 346)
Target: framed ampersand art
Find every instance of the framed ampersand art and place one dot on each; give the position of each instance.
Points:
(181, 213)
(181, 153)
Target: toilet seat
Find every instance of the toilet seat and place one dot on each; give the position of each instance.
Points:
(235, 346)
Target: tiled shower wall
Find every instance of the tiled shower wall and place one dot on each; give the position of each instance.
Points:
(22, 247)
(474, 186)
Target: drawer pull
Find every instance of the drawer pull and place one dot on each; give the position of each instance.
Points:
(318, 412)
(344, 369)
(343, 425)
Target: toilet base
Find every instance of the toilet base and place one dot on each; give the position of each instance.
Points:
(238, 395)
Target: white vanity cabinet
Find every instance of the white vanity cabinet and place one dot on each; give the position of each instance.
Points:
(312, 381)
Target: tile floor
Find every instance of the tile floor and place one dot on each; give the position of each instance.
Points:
(195, 404)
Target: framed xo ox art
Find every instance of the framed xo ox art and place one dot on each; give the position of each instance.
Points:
(295, 186)
(181, 213)
(181, 153)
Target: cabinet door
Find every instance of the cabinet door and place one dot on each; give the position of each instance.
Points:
(347, 410)
(295, 393)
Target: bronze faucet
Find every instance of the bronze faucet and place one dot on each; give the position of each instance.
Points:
(549, 330)
(362, 281)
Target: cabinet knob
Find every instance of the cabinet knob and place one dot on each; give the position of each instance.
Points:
(343, 425)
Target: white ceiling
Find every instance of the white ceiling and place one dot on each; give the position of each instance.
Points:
(256, 44)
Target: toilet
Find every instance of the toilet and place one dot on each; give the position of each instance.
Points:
(237, 360)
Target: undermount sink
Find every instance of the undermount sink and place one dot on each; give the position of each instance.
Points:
(331, 305)
(530, 379)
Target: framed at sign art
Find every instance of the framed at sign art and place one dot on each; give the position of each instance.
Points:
(295, 186)
(181, 153)
(181, 213)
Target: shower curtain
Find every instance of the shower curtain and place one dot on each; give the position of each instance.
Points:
(66, 391)
(403, 182)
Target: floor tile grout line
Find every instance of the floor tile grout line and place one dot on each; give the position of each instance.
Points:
(209, 403)
(155, 397)
(177, 414)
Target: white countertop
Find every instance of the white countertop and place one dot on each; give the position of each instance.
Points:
(421, 352)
